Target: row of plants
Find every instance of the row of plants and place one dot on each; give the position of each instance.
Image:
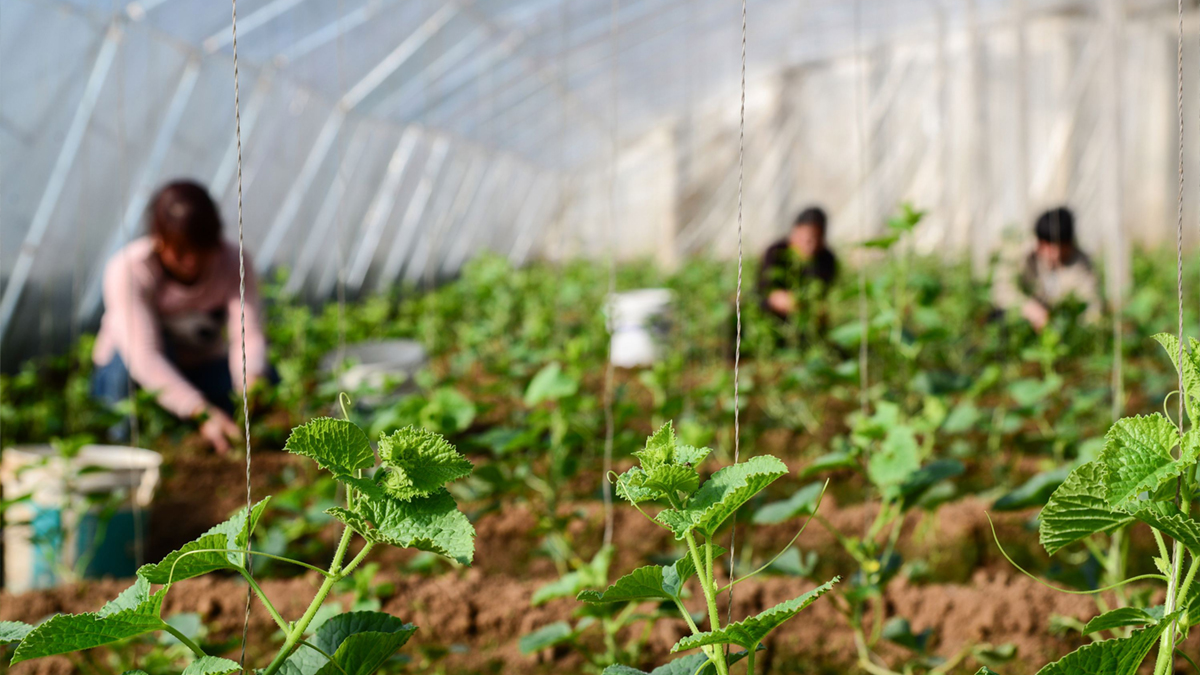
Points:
(515, 383)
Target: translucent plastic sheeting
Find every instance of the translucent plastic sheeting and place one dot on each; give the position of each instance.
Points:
(391, 140)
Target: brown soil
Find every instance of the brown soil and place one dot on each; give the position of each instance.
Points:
(483, 611)
(487, 614)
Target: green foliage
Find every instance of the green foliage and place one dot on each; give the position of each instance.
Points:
(359, 642)
(65, 633)
(417, 463)
(1119, 656)
(425, 516)
(667, 472)
(749, 633)
(1077, 510)
(208, 553)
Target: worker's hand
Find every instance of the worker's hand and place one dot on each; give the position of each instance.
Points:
(218, 430)
(1036, 314)
(781, 302)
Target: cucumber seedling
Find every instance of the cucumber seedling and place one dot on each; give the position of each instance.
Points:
(694, 513)
(402, 502)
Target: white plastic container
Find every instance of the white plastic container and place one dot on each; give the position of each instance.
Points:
(639, 321)
(49, 480)
(372, 365)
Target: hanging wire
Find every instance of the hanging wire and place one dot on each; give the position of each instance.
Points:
(737, 308)
(609, 370)
(237, 129)
(1177, 553)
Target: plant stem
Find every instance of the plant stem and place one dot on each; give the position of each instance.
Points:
(187, 642)
(705, 574)
(750, 660)
(262, 597)
(297, 632)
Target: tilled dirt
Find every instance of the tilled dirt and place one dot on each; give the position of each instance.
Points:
(483, 616)
(479, 613)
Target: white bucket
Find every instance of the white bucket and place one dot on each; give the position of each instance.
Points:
(41, 474)
(373, 366)
(639, 326)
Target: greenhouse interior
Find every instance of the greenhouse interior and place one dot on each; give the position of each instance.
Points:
(474, 337)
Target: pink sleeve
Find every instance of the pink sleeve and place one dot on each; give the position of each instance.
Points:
(256, 341)
(128, 302)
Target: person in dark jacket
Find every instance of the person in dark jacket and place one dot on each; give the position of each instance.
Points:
(799, 268)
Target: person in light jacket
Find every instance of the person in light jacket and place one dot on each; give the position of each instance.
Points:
(1053, 272)
(172, 316)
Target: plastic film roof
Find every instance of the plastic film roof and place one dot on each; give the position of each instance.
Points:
(390, 140)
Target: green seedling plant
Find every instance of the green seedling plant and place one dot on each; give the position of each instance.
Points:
(605, 622)
(894, 452)
(402, 502)
(1145, 475)
(694, 513)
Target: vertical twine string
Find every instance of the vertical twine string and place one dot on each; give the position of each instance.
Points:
(237, 127)
(1176, 556)
(609, 374)
(737, 308)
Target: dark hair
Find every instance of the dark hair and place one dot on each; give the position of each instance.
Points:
(1056, 226)
(182, 213)
(813, 215)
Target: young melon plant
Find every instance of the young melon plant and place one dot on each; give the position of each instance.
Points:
(694, 513)
(402, 502)
(1146, 474)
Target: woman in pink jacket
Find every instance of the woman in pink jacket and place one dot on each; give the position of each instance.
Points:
(172, 317)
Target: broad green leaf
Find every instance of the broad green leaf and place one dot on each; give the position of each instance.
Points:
(631, 486)
(667, 468)
(1137, 458)
(722, 495)
(550, 384)
(212, 665)
(830, 462)
(546, 636)
(919, 482)
(591, 575)
(1119, 618)
(66, 633)
(335, 445)
(1076, 510)
(898, 458)
(1121, 656)
(748, 633)
(1168, 519)
(185, 564)
(1034, 492)
(801, 503)
(672, 479)
(418, 462)
(685, 665)
(653, 582)
(13, 631)
(899, 631)
(129, 598)
(361, 642)
(431, 523)
(1190, 370)
(985, 671)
